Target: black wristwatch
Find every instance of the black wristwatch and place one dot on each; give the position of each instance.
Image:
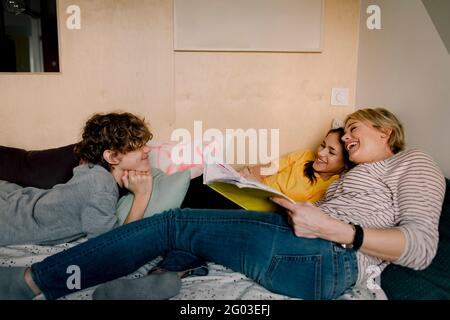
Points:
(357, 239)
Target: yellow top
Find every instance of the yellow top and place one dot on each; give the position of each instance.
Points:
(291, 180)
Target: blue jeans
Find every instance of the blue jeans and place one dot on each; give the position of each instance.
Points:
(260, 245)
(182, 261)
(198, 196)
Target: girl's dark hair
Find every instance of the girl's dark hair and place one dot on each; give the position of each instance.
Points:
(118, 132)
(308, 170)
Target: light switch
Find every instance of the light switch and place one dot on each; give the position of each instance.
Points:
(339, 96)
(337, 123)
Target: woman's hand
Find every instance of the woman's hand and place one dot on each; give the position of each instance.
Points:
(305, 219)
(308, 221)
(138, 182)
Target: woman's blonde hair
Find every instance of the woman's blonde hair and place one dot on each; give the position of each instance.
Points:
(381, 118)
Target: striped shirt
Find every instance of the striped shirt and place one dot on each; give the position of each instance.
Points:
(405, 191)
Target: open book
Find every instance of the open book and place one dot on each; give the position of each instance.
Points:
(249, 194)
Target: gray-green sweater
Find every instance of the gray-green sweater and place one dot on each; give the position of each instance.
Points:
(84, 206)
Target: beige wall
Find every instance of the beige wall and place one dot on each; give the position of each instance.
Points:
(439, 11)
(406, 68)
(122, 58)
(289, 91)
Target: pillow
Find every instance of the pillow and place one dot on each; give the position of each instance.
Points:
(161, 156)
(432, 283)
(168, 193)
(41, 169)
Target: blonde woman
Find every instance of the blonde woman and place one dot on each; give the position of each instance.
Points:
(385, 210)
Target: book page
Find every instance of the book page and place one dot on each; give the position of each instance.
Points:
(218, 172)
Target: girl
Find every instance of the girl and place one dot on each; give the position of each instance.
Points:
(306, 175)
(302, 175)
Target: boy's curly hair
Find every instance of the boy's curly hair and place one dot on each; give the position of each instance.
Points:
(119, 132)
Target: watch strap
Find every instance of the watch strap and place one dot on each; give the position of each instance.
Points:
(357, 239)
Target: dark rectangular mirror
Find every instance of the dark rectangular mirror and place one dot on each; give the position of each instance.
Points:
(28, 36)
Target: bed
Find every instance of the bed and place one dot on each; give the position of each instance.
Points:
(220, 284)
(46, 168)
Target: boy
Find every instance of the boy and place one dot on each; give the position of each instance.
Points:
(114, 154)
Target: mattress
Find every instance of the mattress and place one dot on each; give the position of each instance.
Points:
(220, 284)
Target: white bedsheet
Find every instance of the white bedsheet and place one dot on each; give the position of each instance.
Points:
(220, 284)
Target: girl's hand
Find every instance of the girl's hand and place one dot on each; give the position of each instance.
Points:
(245, 172)
(252, 173)
(138, 182)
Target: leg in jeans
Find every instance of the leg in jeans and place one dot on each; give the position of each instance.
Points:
(182, 262)
(198, 196)
(259, 245)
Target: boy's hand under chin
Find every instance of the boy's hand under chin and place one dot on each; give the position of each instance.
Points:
(141, 184)
(138, 182)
